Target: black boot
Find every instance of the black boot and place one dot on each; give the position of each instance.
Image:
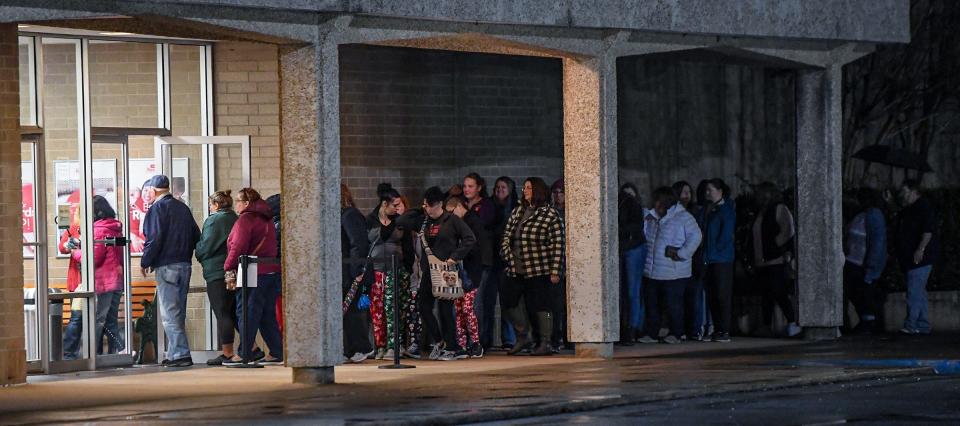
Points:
(522, 328)
(626, 337)
(545, 323)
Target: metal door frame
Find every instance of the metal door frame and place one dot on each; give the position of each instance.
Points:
(162, 146)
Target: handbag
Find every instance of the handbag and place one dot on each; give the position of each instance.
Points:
(445, 279)
(355, 285)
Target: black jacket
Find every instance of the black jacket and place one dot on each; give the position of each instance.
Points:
(482, 253)
(630, 221)
(454, 239)
(353, 241)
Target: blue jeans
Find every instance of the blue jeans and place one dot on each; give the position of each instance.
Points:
(72, 335)
(108, 308)
(917, 299)
(173, 283)
(261, 315)
(633, 263)
(485, 305)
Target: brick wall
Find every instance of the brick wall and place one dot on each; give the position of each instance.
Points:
(13, 367)
(247, 85)
(417, 118)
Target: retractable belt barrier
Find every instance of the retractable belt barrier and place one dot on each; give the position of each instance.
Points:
(394, 270)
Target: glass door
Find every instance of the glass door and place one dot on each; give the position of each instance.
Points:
(110, 213)
(197, 167)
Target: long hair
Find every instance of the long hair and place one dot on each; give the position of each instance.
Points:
(721, 185)
(346, 197)
(678, 189)
(768, 194)
(541, 193)
(102, 209)
(512, 197)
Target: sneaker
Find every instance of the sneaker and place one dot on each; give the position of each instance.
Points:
(388, 355)
(436, 350)
(258, 354)
(412, 351)
(358, 357)
(506, 347)
(232, 361)
(180, 362)
(273, 361)
(909, 331)
(793, 329)
(380, 353)
(647, 339)
(461, 354)
(720, 337)
(448, 356)
(671, 340)
(218, 360)
(476, 351)
(695, 337)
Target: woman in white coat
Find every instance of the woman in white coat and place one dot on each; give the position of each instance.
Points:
(672, 237)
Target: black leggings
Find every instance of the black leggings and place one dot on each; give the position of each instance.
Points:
(718, 281)
(224, 305)
(432, 331)
(537, 292)
(777, 290)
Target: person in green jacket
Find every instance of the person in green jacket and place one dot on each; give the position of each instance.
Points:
(211, 252)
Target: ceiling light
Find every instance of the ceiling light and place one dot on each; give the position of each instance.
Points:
(115, 33)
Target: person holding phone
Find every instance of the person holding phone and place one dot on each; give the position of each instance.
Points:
(672, 237)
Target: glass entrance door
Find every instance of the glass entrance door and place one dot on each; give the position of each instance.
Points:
(112, 323)
(197, 167)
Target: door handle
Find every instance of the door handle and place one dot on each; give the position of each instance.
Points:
(113, 241)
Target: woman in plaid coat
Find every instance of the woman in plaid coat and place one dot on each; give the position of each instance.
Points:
(532, 246)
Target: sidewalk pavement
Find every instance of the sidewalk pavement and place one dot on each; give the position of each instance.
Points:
(496, 387)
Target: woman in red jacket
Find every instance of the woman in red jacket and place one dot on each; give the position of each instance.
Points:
(107, 275)
(254, 234)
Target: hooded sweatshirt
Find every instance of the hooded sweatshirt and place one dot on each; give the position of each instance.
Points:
(253, 234)
(107, 260)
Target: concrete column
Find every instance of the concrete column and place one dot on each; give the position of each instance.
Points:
(13, 358)
(819, 219)
(590, 179)
(310, 184)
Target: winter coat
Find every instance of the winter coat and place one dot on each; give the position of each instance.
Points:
(107, 260)
(171, 233)
(211, 251)
(481, 255)
(718, 223)
(541, 243)
(74, 277)
(866, 243)
(353, 242)
(254, 228)
(677, 228)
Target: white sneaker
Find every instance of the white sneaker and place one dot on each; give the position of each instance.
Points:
(388, 355)
(793, 329)
(380, 352)
(358, 357)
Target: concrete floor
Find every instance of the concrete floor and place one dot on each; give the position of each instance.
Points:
(494, 388)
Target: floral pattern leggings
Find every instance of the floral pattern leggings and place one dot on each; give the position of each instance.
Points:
(466, 319)
(381, 309)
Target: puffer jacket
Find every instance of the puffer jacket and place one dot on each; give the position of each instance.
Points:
(254, 228)
(677, 228)
(107, 260)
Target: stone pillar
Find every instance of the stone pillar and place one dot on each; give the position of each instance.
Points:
(819, 218)
(13, 357)
(310, 184)
(590, 179)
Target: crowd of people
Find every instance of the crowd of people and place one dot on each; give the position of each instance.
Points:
(459, 253)
(462, 252)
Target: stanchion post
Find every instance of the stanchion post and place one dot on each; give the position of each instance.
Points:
(396, 318)
(247, 351)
